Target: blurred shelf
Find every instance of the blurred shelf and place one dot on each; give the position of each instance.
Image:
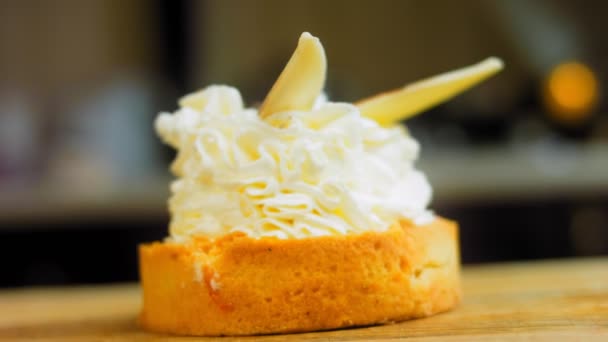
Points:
(458, 177)
(51, 205)
(518, 173)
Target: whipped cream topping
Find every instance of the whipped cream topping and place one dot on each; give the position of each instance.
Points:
(291, 175)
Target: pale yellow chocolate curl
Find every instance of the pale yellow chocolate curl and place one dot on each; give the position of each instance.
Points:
(400, 104)
(301, 81)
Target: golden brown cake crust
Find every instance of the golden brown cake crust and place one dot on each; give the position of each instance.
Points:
(237, 285)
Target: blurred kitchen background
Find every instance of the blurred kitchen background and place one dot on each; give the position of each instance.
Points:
(520, 161)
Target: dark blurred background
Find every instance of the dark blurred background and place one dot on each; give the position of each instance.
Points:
(520, 161)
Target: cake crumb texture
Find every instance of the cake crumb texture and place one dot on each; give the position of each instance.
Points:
(260, 286)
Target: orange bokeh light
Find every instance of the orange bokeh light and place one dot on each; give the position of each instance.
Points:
(571, 92)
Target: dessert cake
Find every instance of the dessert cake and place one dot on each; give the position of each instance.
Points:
(301, 215)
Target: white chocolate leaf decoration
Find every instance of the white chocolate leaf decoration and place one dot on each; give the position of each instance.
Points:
(302, 80)
(400, 104)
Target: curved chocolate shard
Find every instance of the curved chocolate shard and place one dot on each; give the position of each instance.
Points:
(400, 104)
(302, 80)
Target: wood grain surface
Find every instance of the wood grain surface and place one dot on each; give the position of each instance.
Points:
(534, 301)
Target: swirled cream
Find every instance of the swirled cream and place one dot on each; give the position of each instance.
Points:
(291, 175)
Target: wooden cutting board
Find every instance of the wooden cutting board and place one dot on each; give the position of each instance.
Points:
(539, 301)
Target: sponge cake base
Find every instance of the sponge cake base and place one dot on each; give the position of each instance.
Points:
(237, 285)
